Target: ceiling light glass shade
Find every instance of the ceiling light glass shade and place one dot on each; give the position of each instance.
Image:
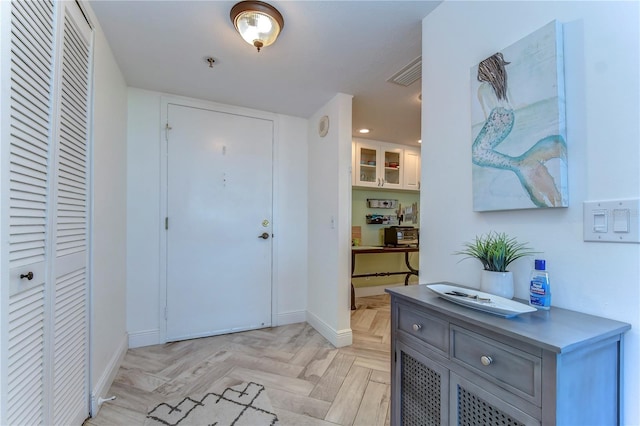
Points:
(257, 22)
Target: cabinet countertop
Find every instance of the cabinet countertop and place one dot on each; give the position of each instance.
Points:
(382, 249)
(557, 330)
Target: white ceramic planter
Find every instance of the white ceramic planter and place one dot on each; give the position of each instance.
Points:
(498, 283)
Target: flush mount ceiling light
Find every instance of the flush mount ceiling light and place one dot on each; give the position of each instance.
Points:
(257, 22)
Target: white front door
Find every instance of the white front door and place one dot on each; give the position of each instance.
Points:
(219, 206)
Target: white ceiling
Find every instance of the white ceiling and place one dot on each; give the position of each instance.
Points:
(325, 47)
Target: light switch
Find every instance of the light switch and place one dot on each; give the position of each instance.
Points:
(613, 221)
(620, 220)
(600, 221)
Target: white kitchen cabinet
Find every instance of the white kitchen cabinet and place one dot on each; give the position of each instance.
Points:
(411, 169)
(378, 165)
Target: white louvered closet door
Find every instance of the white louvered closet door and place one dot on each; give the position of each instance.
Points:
(70, 362)
(31, 70)
(46, 361)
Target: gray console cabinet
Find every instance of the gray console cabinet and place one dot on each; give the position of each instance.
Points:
(452, 365)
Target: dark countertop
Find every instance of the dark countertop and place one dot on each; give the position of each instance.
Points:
(382, 249)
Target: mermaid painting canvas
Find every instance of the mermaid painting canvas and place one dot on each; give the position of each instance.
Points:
(519, 151)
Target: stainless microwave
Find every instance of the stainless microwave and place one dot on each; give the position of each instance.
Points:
(401, 236)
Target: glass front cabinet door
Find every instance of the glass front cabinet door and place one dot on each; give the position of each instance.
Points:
(378, 165)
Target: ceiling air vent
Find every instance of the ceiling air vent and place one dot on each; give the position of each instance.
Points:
(409, 74)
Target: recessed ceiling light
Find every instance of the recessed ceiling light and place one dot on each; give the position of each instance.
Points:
(364, 131)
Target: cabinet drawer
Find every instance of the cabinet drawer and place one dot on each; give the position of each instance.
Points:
(508, 367)
(425, 328)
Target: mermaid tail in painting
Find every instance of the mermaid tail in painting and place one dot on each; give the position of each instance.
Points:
(534, 175)
(528, 167)
(493, 132)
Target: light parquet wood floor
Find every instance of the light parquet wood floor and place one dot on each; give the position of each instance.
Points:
(308, 381)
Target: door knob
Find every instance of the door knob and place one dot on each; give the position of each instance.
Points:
(264, 236)
(28, 276)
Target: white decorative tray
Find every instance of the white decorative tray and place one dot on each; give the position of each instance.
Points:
(481, 301)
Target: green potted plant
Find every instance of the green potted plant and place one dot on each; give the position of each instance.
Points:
(496, 251)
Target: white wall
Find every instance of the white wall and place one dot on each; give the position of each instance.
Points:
(144, 227)
(143, 218)
(108, 238)
(290, 207)
(328, 306)
(601, 75)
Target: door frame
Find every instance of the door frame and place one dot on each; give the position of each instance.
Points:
(165, 101)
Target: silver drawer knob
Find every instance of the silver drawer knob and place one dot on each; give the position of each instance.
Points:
(417, 327)
(486, 360)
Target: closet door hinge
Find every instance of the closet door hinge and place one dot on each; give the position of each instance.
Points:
(166, 133)
(166, 313)
(166, 223)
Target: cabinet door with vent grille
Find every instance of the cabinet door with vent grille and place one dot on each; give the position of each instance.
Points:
(471, 405)
(422, 398)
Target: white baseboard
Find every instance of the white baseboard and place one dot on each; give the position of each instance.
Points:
(108, 375)
(292, 317)
(343, 338)
(139, 339)
(374, 290)
(337, 338)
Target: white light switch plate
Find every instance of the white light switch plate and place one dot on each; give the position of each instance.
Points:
(613, 221)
